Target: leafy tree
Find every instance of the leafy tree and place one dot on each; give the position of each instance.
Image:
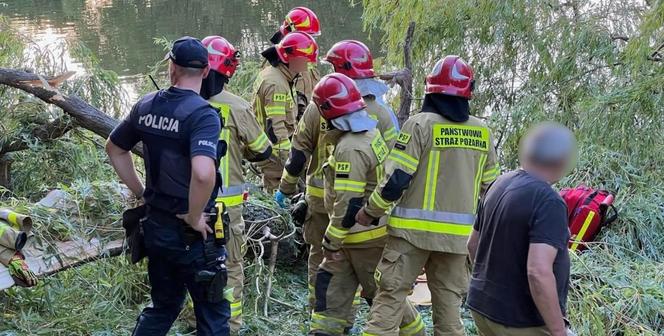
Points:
(595, 66)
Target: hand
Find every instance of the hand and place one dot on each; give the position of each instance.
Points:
(280, 198)
(20, 271)
(363, 218)
(198, 224)
(333, 255)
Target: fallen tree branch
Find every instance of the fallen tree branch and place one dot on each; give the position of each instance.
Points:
(44, 132)
(84, 114)
(404, 77)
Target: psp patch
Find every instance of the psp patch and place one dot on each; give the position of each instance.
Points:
(342, 167)
(403, 138)
(281, 97)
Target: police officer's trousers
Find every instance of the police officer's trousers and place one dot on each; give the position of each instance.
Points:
(401, 263)
(172, 274)
(336, 285)
(315, 224)
(236, 248)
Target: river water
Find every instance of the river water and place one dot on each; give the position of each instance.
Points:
(121, 32)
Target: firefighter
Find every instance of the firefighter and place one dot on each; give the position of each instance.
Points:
(275, 99)
(353, 59)
(245, 139)
(442, 161)
(304, 20)
(351, 173)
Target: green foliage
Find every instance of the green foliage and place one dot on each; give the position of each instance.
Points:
(593, 66)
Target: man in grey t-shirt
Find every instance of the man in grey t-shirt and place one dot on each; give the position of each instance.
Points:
(519, 243)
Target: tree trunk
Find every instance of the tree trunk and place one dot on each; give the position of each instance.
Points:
(404, 77)
(84, 114)
(5, 170)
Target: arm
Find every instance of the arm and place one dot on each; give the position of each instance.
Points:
(123, 138)
(253, 137)
(349, 182)
(400, 166)
(304, 142)
(542, 284)
(203, 141)
(473, 242)
(277, 100)
(548, 237)
(203, 177)
(123, 164)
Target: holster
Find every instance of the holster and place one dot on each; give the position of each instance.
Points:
(214, 276)
(131, 222)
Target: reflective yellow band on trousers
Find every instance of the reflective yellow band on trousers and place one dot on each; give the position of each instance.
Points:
(236, 308)
(359, 237)
(327, 324)
(230, 201)
(288, 177)
(412, 328)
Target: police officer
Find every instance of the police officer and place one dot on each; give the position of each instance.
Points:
(275, 99)
(180, 133)
(245, 139)
(351, 173)
(442, 161)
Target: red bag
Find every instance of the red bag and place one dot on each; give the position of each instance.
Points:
(587, 211)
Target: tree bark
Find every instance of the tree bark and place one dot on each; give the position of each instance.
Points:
(84, 114)
(404, 77)
(5, 170)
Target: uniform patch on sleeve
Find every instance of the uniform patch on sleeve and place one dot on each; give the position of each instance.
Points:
(403, 138)
(280, 97)
(342, 167)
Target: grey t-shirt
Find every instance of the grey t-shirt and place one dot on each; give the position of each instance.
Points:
(519, 209)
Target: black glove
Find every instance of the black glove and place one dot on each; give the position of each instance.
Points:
(299, 211)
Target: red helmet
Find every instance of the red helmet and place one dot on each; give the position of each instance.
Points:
(301, 19)
(451, 76)
(222, 56)
(351, 58)
(337, 95)
(297, 44)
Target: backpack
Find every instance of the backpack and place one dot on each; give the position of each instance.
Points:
(587, 210)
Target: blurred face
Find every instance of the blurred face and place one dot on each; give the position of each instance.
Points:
(298, 64)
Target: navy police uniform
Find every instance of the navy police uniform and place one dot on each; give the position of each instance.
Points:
(174, 125)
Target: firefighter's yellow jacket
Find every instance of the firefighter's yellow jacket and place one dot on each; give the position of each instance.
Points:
(308, 139)
(275, 104)
(434, 175)
(245, 138)
(350, 175)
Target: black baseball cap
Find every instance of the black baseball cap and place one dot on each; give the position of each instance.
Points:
(188, 52)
